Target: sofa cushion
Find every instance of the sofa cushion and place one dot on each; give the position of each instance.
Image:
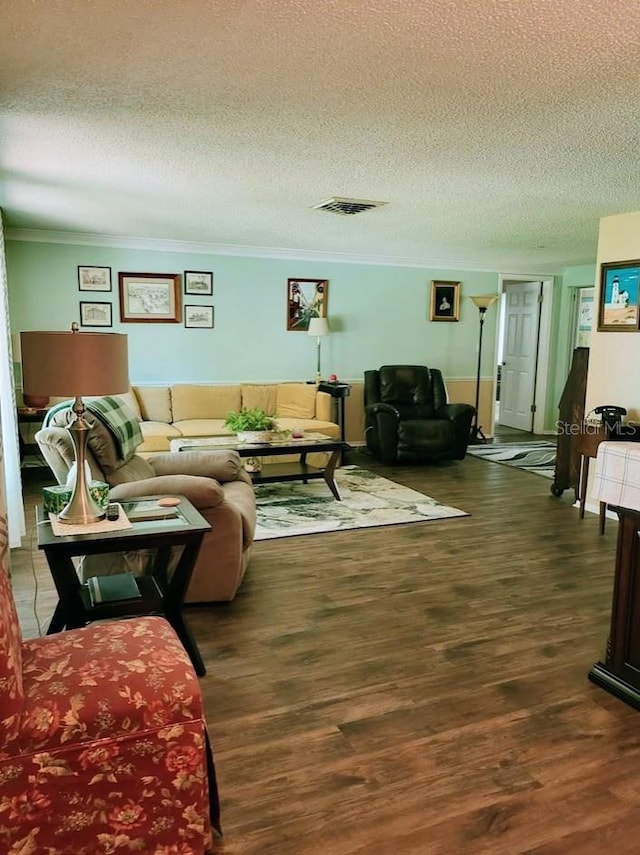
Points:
(129, 399)
(155, 403)
(311, 426)
(296, 400)
(203, 402)
(156, 436)
(202, 427)
(260, 395)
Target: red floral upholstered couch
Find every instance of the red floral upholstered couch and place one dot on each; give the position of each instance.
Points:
(103, 744)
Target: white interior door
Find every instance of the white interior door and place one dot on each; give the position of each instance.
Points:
(518, 383)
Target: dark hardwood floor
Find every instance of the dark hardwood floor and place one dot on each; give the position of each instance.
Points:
(418, 689)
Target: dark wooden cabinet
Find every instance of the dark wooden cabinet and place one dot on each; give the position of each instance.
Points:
(619, 673)
(571, 416)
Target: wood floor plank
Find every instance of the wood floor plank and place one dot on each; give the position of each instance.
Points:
(417, 688)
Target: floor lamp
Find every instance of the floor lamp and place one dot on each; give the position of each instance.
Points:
(73, 364)
(318, 327)
(483, 302)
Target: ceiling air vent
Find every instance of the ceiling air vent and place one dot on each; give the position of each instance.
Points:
(345, 207)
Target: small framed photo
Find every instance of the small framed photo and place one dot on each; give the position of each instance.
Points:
(618, 301)
(198, 282)
(94, 278)
(198, 317)
(151, 298)
(445, 301)
(306, 299)
(95, 314)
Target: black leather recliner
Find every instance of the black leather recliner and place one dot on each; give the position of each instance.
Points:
(408, 419)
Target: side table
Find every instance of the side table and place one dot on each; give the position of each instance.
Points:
(27, 416)
(338, 391)
(159, 594)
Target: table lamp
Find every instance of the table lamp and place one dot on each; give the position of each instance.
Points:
(73, 364)
(483, 302)
(318, 327)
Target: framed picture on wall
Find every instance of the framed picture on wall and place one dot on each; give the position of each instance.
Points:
(198, 283)
(306, 299)
(619, 292)
(198, 317)
(445, 301)
(95, 314)
(151, 298)
(94, 278)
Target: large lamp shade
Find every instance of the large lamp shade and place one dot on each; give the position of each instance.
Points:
(73, 364)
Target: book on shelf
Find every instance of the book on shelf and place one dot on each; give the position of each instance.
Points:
(141, 511)
(117, 586)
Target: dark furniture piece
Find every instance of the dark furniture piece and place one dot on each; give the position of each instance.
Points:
(619, 674)
(408, 419)
(571, 416)
(338, 391)
(299, 470)
(160, 594)
(30, 454)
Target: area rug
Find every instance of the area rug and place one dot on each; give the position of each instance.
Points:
(367, 500)
(536, 457)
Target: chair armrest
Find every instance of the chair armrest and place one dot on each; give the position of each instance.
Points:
(202, 492)
(224, 465)
(376, 409)
(455, 411)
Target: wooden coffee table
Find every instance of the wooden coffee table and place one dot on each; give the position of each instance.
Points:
(299, 470)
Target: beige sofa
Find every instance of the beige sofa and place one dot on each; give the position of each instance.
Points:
(197, 410)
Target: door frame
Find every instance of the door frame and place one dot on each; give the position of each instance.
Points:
(544, 343)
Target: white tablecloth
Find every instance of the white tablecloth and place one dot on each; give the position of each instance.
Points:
(617, 474)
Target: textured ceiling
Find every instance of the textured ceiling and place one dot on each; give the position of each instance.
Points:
(498, 131)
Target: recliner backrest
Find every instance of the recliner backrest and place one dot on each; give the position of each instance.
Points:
(414, 390)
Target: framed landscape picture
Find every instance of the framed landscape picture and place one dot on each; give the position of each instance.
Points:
(94, 278)
(152, 298)
(198, 317)
(306, 299)
(445, 301)
(619, 292)
(198, 282)
(95, 314)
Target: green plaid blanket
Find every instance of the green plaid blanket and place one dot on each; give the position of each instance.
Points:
(115, 416)
(118, 418)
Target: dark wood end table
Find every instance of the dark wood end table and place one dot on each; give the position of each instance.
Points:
(159, 594)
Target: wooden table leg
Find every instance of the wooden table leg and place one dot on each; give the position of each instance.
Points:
(584, 477)
(328, 473)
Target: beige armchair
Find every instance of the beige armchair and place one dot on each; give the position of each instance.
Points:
(213, 481)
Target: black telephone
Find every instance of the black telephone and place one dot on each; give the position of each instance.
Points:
(611, 416)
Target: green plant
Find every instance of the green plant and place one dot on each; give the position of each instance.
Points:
(249, 419)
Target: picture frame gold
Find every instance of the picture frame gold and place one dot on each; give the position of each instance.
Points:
(445, 301)
(149, 298)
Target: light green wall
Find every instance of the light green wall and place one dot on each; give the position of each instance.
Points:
(572, 278)
(379, 315)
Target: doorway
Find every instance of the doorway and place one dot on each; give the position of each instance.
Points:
(524, 327)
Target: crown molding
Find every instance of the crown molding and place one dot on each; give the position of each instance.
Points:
(205, 248)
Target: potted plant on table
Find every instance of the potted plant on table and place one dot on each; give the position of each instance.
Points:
(251, 425)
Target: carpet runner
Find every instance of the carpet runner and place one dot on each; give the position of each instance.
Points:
(537, 457)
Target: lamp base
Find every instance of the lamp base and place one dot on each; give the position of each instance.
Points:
(477, 437)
